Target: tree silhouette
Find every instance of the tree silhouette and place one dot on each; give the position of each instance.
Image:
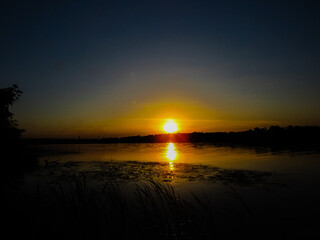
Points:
(16, 155)
(8, 125)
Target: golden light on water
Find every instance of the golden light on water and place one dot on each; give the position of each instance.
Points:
(170, 126)
(171, 155)
(171, 152)
(171, 166)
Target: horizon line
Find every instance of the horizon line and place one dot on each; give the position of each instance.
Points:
(158, 134)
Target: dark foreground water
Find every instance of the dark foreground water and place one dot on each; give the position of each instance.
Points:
(276, 192)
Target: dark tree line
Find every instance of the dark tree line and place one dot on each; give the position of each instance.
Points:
(274, 135)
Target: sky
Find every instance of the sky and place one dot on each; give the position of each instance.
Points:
(119, 68)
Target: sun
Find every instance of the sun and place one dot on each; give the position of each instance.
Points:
(170, 126)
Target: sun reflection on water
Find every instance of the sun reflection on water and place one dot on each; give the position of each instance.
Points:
(171, 155)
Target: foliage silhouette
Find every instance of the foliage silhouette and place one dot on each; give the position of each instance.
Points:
(15, 153)
(8, 125)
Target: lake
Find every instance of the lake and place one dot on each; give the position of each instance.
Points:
(278, 189)
(299, 165)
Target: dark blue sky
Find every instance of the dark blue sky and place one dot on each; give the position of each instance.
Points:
(119, 67)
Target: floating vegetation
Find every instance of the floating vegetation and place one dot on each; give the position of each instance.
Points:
(135, 171)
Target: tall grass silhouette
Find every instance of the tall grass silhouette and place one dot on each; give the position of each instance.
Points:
(80, 209)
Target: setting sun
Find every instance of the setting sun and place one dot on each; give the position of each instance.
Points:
(170, 126)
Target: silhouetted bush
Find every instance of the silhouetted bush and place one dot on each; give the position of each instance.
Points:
(15, 154)
(8, 125)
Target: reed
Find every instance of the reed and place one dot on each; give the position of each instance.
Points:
(81, 209)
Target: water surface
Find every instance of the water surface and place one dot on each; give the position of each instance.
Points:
(305, 164)
(280, 187)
